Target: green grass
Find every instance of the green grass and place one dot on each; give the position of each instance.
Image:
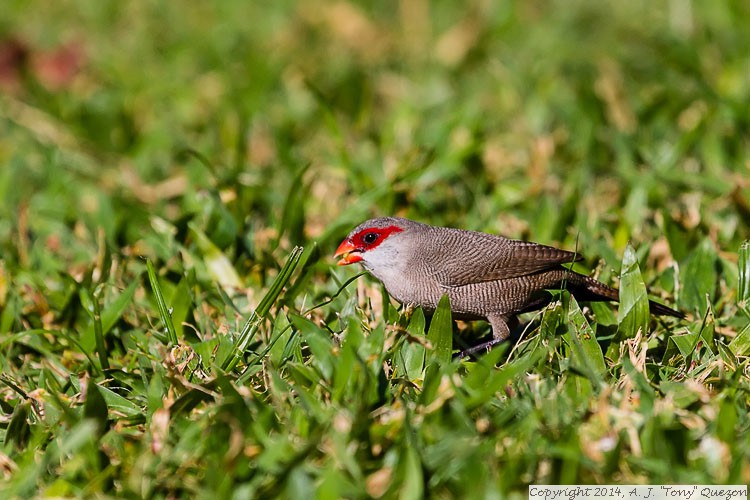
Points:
(163, 336)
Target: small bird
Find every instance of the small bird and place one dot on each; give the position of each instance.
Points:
(486, 276)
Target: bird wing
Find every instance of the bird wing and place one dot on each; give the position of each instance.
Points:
(479, 257)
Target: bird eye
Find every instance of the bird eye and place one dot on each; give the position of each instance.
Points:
(370, 238)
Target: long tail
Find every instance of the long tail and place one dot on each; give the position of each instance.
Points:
(588, 289)
(663, 310)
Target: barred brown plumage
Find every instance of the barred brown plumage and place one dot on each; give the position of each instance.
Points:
(486, 276)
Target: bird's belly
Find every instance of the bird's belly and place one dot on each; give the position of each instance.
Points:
(476, 300)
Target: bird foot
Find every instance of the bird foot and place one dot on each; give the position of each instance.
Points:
(482, 348)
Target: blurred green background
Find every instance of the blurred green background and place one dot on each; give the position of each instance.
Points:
(544, 120)
(213, 137)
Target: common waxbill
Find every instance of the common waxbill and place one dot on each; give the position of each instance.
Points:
(485, 276)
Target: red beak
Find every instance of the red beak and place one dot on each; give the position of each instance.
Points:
(346, 250)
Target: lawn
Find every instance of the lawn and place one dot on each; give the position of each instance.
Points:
(175, 177)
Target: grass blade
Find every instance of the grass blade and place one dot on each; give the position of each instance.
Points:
(740, 345)
(743, 285)
(338, 292)
(586, 353)
(101, 347)
(164, 313)
(634, 312)
(411, 355)
(114, 311)
(218, 265)
(440, 334)
(293, 215)
(256, 317)
(700, 276)
(92, 307)
(18, 431)
(265, 351)
(95, 407)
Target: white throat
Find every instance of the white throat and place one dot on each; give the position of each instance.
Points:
(385, 263)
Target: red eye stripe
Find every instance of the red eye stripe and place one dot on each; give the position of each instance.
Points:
(382, 232)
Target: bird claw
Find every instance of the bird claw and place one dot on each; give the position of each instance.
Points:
(477, 349)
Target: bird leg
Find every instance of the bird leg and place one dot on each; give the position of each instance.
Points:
(500, 333)
(500, 328)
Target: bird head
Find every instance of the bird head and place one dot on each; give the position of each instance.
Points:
(373, 241)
